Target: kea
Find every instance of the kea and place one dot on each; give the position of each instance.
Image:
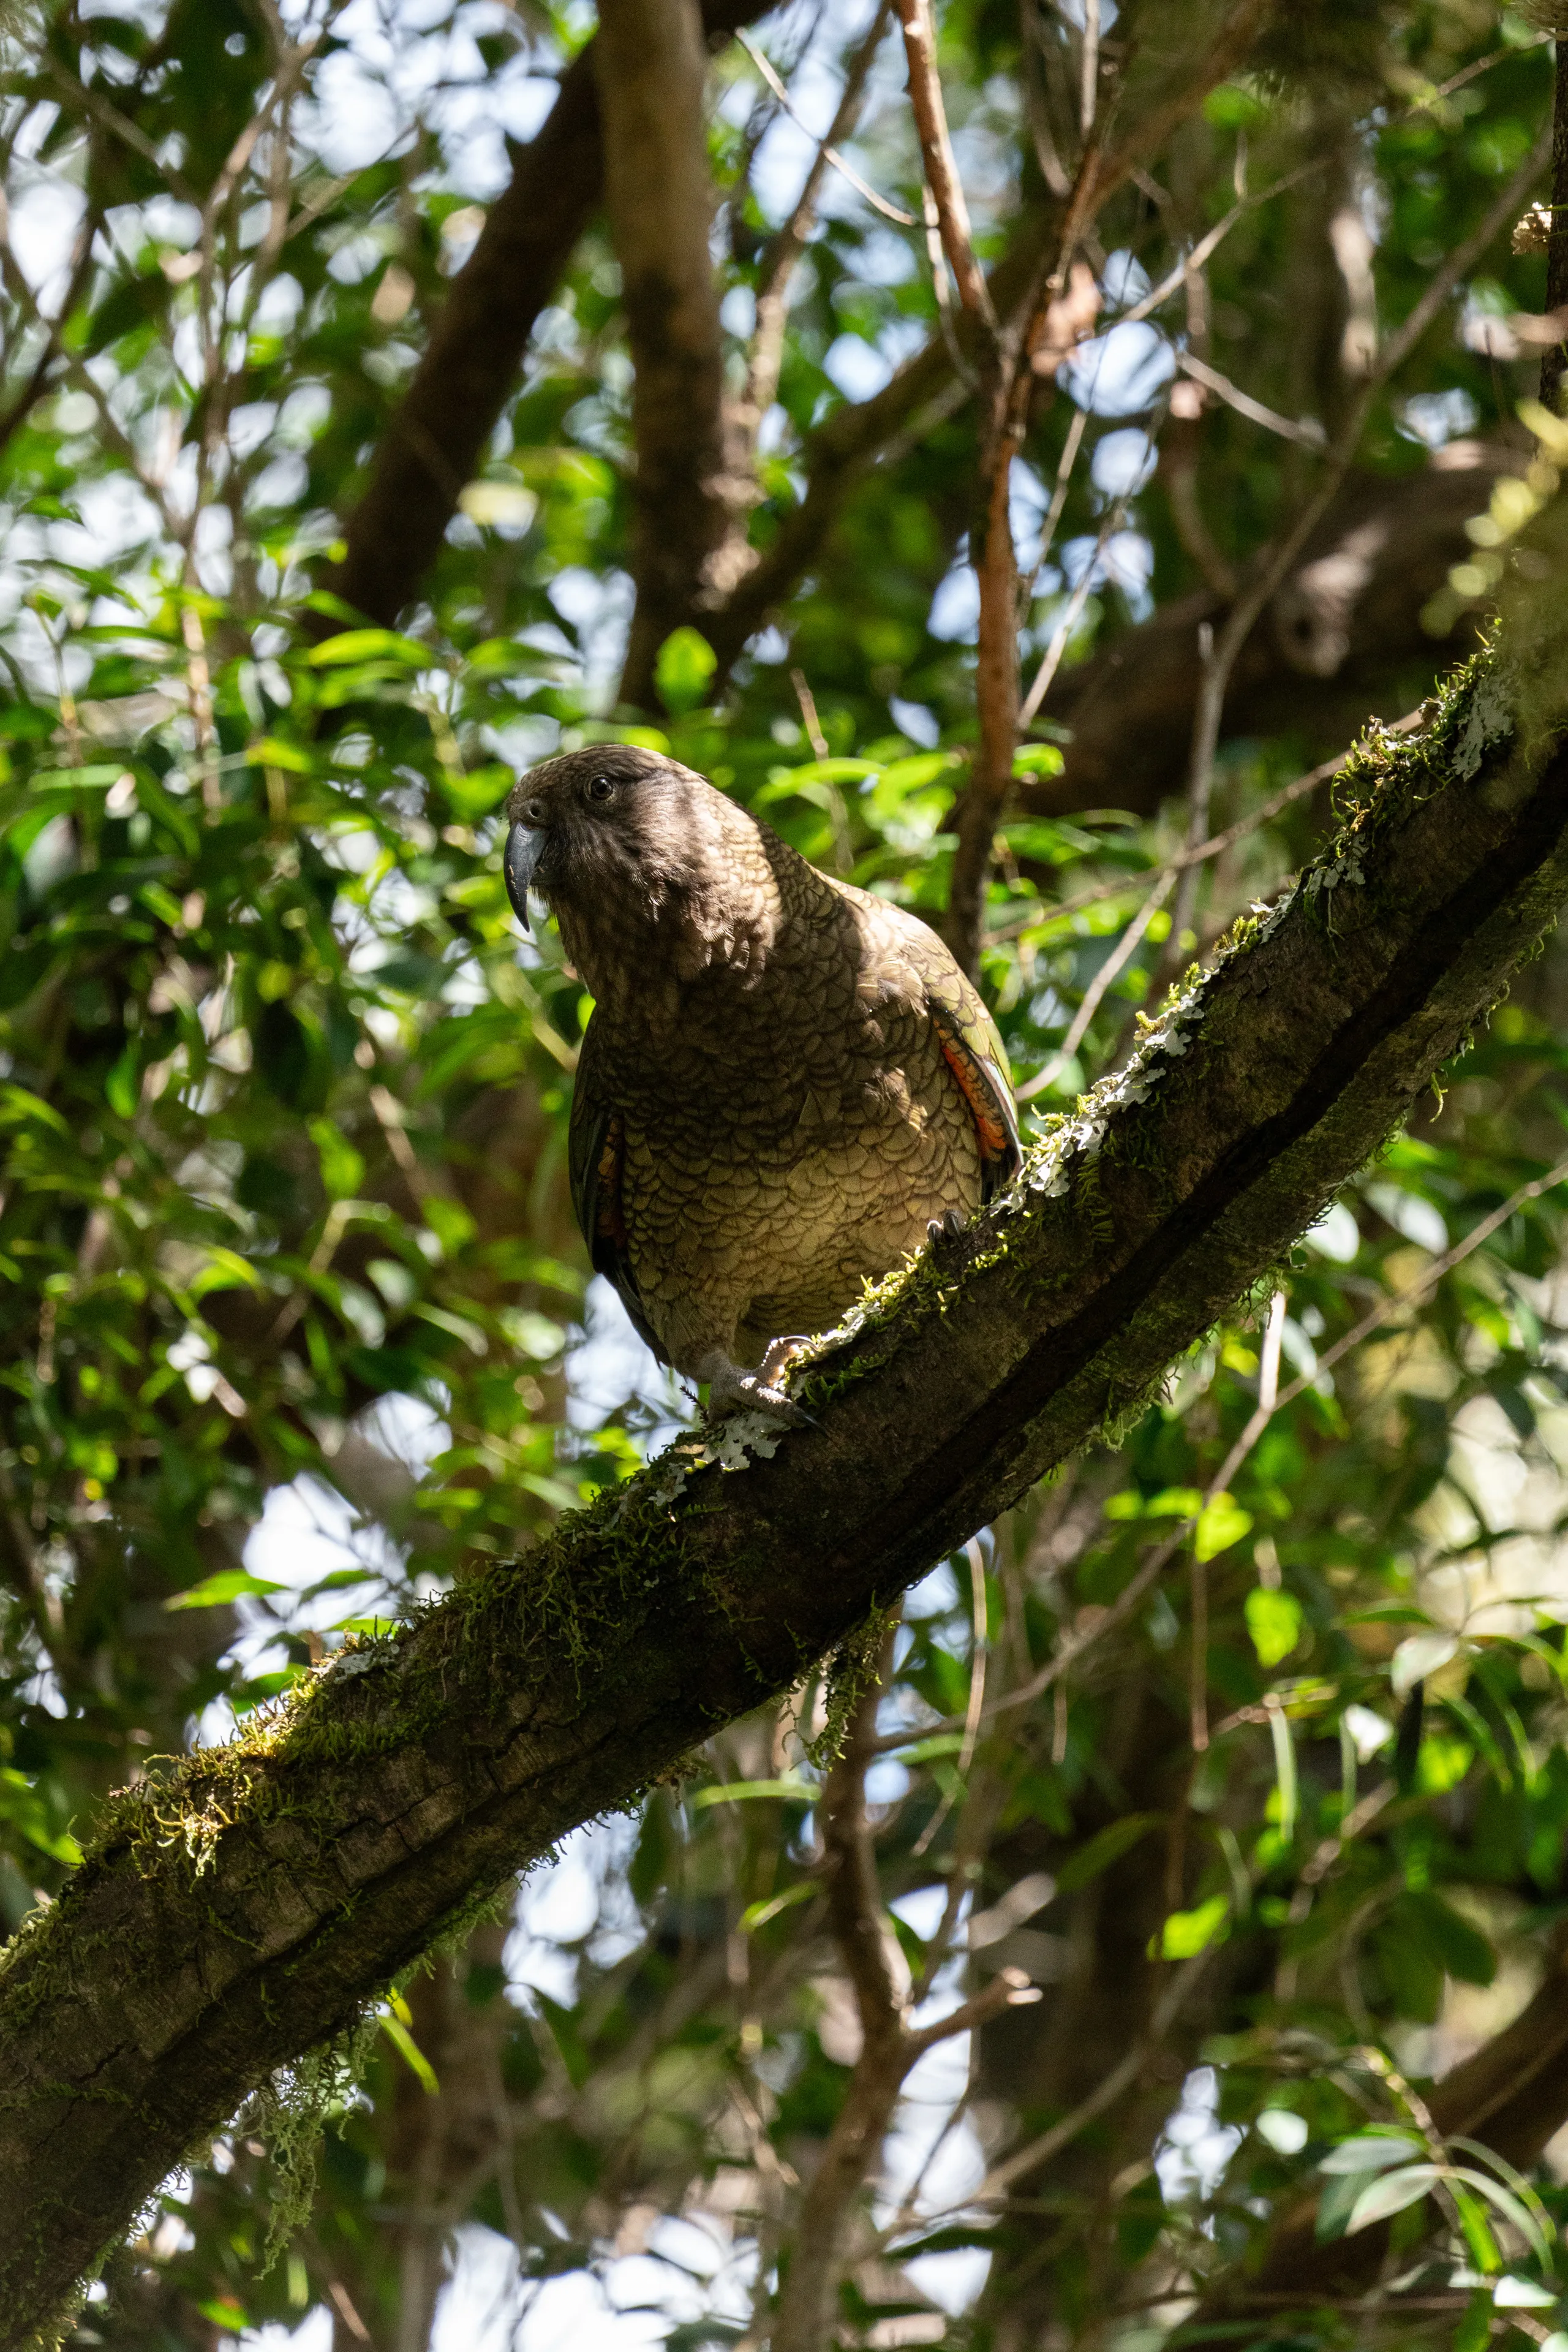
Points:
(785, 1086)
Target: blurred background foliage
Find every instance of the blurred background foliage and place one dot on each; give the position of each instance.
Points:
(296, 1325)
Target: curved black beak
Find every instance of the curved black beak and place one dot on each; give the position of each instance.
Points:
(524, 844)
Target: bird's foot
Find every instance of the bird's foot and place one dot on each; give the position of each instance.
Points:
(947, 1227)
(730, 1390)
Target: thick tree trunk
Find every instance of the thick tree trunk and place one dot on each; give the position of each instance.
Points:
(245, 1906)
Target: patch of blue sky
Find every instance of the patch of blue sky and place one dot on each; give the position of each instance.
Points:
(1120, 372)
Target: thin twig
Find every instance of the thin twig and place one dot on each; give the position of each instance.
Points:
(1197, 1695)
(830, 154)
(778, 265)
(1308, 434)
(1090, 76)
(973, 1713)
(1051, 663)
(1039, 2151)
(820, 747)
(1207, 244)
(1203, 850)
(1065, 463)
(890, 2046)
(1095, 993)
(936, 155)
(1270, 573)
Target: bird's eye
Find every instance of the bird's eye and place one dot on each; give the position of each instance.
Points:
(601, 788)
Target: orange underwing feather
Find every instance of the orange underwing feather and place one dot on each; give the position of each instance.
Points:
(990, 1103)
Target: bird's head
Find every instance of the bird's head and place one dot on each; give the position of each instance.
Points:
(594, 826)
(618, 840)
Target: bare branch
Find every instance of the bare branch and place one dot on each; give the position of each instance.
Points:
(777, 270)
(1308, 434)
(937, 152)
(26, 399)
(652, 69)
(1118, 887)
(809, 2299)
(1100, 987)
(991, 547)
(828, 155)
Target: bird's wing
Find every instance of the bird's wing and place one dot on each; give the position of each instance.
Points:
(974, 1052)
(596, 1162)
(971, 1044)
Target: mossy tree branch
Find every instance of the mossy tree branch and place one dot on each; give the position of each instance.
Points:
(246, 1906)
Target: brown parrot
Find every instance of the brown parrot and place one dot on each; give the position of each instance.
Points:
(785, 1082)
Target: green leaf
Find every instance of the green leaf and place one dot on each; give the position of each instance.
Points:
(923, 1751)
(1274, 1622)
(1188, 1933)
(224, 2312)
(1102, 1850)
(1474, 2331)
(1285, 1784)
(450, 1221)
(215, 1591)
(342, 1168)
(122, 1086)
(757, 1915)
(408, 2049)
(1390, 2195)
(567, 2039)
(1419, 1656)
(736, 1792)
(1513, 2293)
(685, 664)
(1463, 1950)
(1510, 2179)
(476, 794)
(1511, 2208)
(1038, 759)
(1220, 1524)
(1369, 2152)
(369, 644)
(1283, 2130)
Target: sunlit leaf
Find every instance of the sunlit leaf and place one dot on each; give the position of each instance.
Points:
(1391, 2194)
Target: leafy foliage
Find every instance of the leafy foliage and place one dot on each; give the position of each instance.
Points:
(283, 1105)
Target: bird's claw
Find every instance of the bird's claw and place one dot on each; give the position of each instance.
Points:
(947, 1227)
(730, 1390)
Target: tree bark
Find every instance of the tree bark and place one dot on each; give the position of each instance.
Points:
(1555, 359)
(652, 67)
(245, 1905)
